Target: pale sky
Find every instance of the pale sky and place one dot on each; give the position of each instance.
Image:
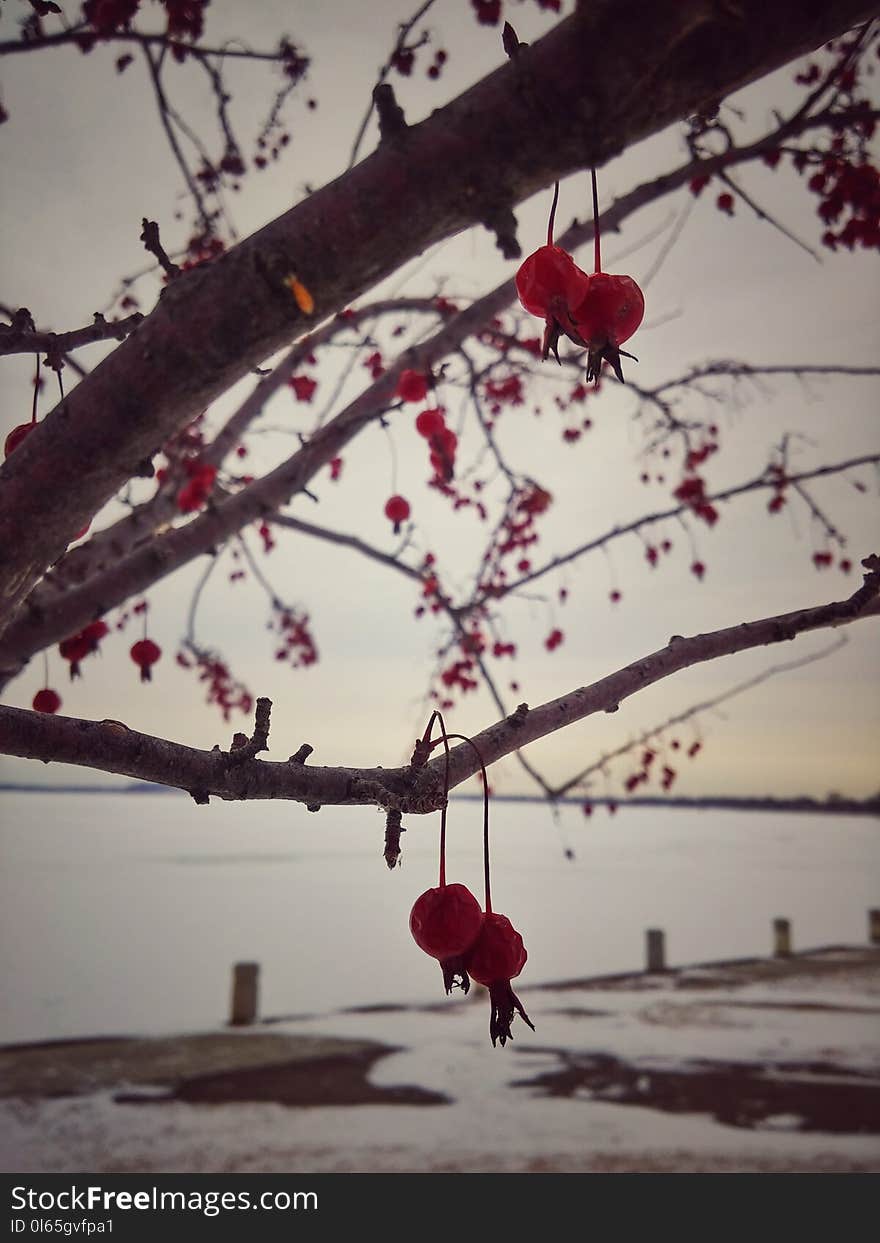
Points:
(86, 159)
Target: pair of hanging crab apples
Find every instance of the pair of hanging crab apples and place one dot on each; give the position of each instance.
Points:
(449, 924)
(597, 311)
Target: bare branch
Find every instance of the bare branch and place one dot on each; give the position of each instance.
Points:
(112, 747)
(144, 393)
(56, 345)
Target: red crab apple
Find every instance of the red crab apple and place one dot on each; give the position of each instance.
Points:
(611, 309)
(445, 923)
(145, 653)
(549, 284)
(46, 700)
(411, 386)
(497, 957)
(16, 436)
(397, 511)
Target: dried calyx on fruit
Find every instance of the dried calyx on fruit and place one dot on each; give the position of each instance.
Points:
(598, 311)
(446, 921)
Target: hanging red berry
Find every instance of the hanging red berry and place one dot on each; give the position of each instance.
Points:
(145, 653)
(549, 284)
(46, 700)
(445, 922)
(412, 386)
(397, 511)
(610, 311)
(16, 436)
(76, 647)
(497, 957)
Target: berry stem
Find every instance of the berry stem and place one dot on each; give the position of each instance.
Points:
(475, 749)
(597, 257)
(36, 392)
(552, 219)
(437, 716)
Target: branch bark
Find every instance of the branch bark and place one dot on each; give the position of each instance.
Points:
(530, 122)
(112, 747)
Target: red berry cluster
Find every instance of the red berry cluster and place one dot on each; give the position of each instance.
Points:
(488, 11)
(222, 688)
(107, 16)
(442, 443)
(303, 387)
(296, 643)
(515, 533)
(195, 492)
(84, 643)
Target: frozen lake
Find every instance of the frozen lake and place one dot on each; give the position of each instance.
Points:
(123, 914)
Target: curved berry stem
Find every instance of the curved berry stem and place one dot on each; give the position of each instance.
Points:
(552, 219)
(475, 749)
(438, 716)
(597, 257)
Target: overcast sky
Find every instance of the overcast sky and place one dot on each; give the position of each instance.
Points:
(85, 159)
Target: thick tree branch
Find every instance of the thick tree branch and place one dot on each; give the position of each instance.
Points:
(478, 157)
(112, 747)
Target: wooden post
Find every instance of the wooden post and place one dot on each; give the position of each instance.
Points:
(655, 953)
(781, 938)
(245, 981)
(874, 925)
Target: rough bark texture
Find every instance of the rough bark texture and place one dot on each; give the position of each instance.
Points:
(608, 76)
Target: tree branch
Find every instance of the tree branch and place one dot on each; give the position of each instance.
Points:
(56, 344)
(479, 156)
(112, 747)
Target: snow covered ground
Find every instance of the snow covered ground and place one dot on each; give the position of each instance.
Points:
(129, 925)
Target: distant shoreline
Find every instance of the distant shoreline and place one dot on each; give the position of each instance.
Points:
(833, 806)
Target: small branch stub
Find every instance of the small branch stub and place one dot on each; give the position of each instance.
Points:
(393, 830)
(392, 122)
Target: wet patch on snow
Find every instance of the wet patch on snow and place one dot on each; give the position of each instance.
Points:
(801, 1096)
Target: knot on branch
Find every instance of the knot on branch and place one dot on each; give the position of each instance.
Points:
(152, 244)
(392, 122)
(244, 748)
(301, 755)
(501, 221)
(421, 753)
(517, 718)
